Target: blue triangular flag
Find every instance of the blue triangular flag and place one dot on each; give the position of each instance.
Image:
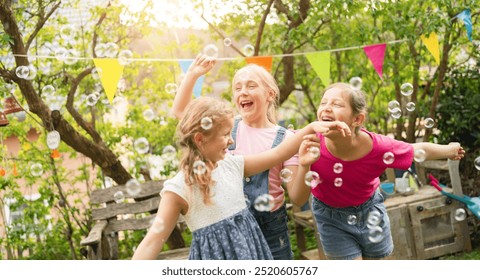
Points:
(197, 88)
(467, 21)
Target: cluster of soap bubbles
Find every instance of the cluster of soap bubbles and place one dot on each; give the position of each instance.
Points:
(213, 51)
(375, 232)
(26, 72)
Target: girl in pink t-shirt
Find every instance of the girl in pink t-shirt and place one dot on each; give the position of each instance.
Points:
(349, 211)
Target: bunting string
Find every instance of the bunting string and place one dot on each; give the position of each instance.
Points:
(218, 59)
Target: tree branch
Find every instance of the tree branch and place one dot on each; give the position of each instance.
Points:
(262, 26)
(76, 116)
(41, 22)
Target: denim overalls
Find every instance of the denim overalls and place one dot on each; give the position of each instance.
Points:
(273, 224)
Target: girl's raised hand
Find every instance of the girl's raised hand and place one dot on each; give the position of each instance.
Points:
(202, 64)
(305, 156)
(324, 127)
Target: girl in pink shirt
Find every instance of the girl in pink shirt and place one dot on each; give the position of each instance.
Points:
(349, 210)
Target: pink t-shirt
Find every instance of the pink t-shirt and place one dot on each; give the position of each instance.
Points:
(252, 141)
(359, 177)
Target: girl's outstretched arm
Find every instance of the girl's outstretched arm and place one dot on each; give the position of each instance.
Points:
(434, 151)
(300, 191)
(171, 205)
(255, 164)
(200, 66)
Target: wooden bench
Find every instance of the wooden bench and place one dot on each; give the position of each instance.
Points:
(423, 224)
(136, 212)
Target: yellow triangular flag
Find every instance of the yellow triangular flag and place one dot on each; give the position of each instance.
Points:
(431, 42)
(321, 64)
(111, 72)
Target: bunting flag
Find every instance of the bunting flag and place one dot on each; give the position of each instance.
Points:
(467, 21)
(431, 42)
(321, 64)
(197, 88)
(111, 73)
(376, 54)
(264, 61)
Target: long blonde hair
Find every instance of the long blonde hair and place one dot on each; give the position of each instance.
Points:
(268, 82)
(219, 112)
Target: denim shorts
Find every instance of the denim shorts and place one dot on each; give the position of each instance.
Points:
(274, 226)
(344, 232)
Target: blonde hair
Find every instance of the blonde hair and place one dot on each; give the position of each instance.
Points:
(268, 82)
(219, 112)
(358, 101)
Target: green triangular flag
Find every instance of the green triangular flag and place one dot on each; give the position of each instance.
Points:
(321, 64)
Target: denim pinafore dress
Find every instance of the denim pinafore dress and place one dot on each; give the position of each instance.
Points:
(274, 224)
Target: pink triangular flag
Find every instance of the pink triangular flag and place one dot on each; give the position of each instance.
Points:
(376, 54)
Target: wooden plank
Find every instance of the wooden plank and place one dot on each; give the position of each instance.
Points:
(424, 193)
(176, 254)
(95, 234)
(149, 188)
(401, 234)
(114, 209)
(128, 224)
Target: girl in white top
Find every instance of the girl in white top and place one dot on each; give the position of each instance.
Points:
(210, 197)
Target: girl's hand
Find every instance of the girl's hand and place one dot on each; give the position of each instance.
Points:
(325, 127)
(306, 153)
(201, 65)
(458, 151)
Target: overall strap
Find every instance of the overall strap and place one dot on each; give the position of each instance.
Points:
(234, 134)
(280, 135)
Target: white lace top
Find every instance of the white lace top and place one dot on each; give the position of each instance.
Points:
(227, 194)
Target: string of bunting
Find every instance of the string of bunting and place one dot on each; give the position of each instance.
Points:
(112, 70)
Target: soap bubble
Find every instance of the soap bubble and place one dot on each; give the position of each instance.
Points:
(460, 214)
(148, 115)
(36, 169)
(312, 179)
(352, 220)
(314, 152)
(53, 139)
(356, 83)
(286, 175)
(227, 42)
(199, 167)
(249, 50)
(388, 158)
(338, 168)
(171, 88)
(393, 105)
(48, 90)
(410, 106)
(429, 122)
(338, 182)
(406, 89)
(419, 155)
(206, 123)
(169, 152)
(141, 145)
(118, 197)
(211, 50)
(124, 57)
(133, 187)
(157, 225)
(396, 113)
(264, 203)
(375, 234)
(477, 163)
